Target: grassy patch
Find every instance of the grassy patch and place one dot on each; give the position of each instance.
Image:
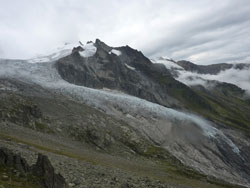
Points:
(43, 127)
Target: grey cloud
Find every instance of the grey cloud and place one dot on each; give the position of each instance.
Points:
(204, 31)
(240, 78)
(227, 26)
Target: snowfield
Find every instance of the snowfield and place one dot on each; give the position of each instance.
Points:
(63, 51)
(88, 50)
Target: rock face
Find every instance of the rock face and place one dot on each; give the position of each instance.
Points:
(9, 159)
(42, 169)
(126, 70)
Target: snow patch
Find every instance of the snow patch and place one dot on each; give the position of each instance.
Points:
(116, 52)
(169, 64)
(129, 67)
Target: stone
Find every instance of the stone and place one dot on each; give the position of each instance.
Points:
(8, 158)
(44, 169)
(71, 184)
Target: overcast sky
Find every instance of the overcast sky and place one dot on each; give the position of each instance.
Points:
(202, 31)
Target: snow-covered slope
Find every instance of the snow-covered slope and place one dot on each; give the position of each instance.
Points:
(88, 50)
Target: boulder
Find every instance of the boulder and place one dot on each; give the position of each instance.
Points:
(45, 170)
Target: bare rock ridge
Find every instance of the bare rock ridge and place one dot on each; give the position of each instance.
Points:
(43, 169)
(209, 69)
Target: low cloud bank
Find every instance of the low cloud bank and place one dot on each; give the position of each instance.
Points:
(240, 78)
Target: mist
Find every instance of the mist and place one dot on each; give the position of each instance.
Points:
(240, 78)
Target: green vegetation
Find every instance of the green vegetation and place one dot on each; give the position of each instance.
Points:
(43, 127)
(187, 97)
(231, 111)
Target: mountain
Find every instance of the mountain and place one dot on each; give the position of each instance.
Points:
(130, 72)
(110, 117)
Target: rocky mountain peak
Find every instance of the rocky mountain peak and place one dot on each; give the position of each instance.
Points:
(124, 69)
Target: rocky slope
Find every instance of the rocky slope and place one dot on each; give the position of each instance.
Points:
(125, 114)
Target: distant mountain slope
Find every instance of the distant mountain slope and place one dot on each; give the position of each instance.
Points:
(209, 69)
(224, 86)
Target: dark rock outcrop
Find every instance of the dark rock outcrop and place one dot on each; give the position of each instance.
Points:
(42, 169)
(9, 159)
(45, 170)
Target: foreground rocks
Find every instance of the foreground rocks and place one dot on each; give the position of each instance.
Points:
(82, 174)
(42, 169)
(7, 158)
